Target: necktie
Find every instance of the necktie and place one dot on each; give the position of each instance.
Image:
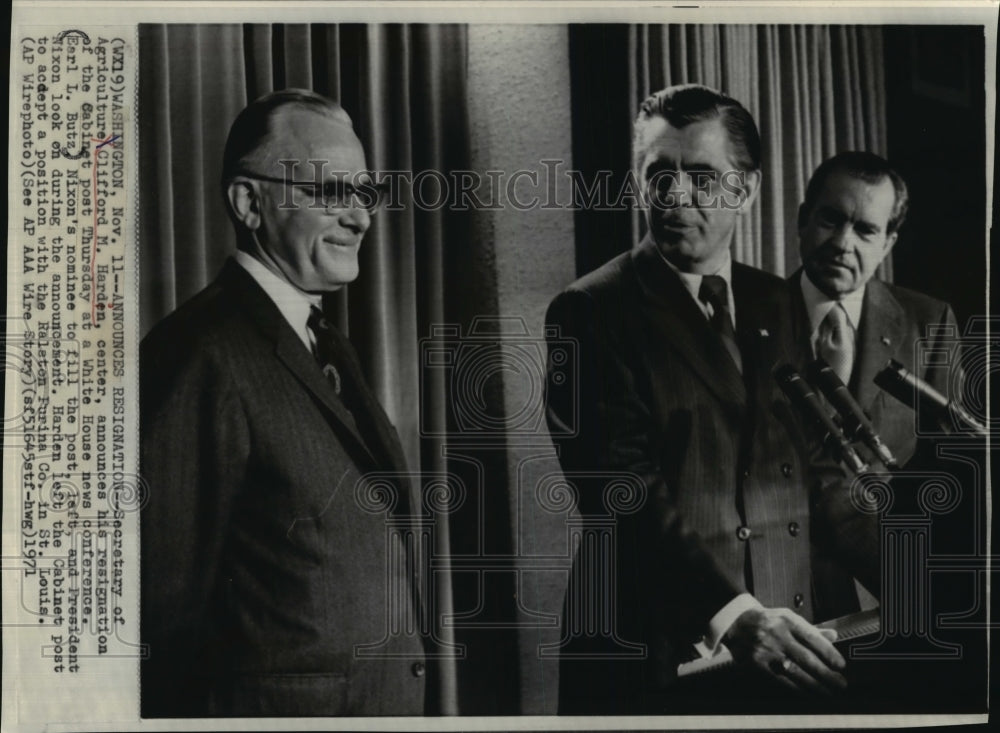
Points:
(326, 351)
(331, 353)
(713, 292)
(835, 342)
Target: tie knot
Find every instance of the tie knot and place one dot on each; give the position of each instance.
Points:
(836, 319)
(317, 321)
(713, 291)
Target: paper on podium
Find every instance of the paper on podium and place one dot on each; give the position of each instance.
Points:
(852, 626)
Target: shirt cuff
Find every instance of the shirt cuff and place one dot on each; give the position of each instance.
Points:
(725, 617)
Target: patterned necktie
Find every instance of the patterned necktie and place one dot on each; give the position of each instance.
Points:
(713, 292)
(326, 351)
(835, 342)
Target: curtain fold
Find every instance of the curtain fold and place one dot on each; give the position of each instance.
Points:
(813, 90)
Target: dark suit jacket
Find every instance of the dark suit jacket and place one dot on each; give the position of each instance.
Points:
(893, 321)
(263, 574)
(659, 398)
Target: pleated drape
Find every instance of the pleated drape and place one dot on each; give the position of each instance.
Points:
(813, 90)
(405, 88)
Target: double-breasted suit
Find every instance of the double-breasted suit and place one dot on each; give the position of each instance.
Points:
(730, 499)
(268, 573)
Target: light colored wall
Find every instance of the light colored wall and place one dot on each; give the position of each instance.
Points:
(519, 111)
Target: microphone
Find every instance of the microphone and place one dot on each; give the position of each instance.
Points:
(856, 424)
(915, 393)
(804, 398)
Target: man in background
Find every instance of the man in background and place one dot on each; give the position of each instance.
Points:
(854, 205)
(266, 569)
(676, 348)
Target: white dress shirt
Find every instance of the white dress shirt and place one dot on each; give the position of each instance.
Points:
(692, 283)
(292, 302)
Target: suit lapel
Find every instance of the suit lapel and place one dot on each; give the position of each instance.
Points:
(376, 426)
(291, 352)
(879, 336)
(381, 449)
(801, 328)
(373, 421)
(678, 322)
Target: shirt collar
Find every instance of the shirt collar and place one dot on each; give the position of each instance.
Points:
(818, 304)
(692, 281)
(292, 302)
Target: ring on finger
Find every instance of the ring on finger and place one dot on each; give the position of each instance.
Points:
(781, 665)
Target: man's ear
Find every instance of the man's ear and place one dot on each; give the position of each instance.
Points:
(889, 242)
(751, 187)
(803, 217)
(244, 203)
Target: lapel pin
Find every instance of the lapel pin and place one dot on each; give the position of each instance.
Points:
(764, 333)
(885, 340)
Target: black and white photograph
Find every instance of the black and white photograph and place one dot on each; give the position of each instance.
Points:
(564, 369)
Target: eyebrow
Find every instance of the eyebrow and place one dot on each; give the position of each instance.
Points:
(358, 178)
(836, 213)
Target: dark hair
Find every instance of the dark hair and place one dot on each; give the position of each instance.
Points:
(864, 166)
(253, 124)
(686, 103)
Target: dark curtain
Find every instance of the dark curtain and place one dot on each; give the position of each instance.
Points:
(937, 89)
(813, 90)
(405, 87)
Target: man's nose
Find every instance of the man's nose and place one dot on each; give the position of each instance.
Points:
(842, 239)
(356, 218)
(686, 188)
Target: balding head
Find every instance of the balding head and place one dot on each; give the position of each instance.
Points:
(258, 132)
(287, 156)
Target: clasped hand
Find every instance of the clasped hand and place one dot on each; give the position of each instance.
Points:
(786, 647)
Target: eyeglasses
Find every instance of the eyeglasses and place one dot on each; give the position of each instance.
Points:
(336, 194)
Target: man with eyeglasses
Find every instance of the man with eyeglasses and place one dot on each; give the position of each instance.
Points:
(269, 584)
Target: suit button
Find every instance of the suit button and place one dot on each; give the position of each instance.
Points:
(786, 469)
(799, 600)
(746, 473)
(418, 669)
(793, 529)
(743, 534)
